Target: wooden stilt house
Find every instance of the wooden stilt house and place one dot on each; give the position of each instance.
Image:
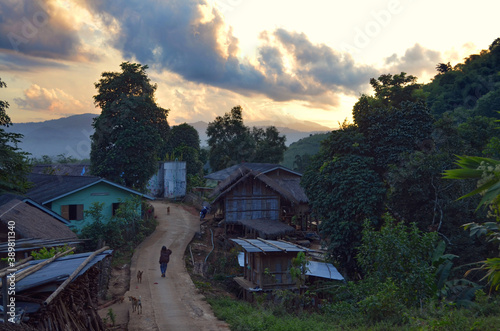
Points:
(252, 204)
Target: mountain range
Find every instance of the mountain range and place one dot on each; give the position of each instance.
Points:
(71, 135)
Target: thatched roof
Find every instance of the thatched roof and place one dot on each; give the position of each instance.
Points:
(243, 173)
(31, 222)
(257, 167)
(267, 229)
(292, 185)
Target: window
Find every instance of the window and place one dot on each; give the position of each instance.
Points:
(72, 212)
(115, 207)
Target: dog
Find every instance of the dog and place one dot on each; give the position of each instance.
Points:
(136, 304)
(139, 305)
(134, 301)
(139, 276)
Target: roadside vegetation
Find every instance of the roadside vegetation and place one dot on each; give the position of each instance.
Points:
(122, 232)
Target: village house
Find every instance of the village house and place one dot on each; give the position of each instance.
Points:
(169, 181)
(70, 196)
(260, 200)
(34, 226)
(266, 266)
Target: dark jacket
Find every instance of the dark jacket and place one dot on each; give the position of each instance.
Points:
(165, 256)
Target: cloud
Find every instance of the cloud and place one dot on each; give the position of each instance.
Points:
(12, 61)
(42, 29)
(54, 101)
(191, 38)
(417, 61)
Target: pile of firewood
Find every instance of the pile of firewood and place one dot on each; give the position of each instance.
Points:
(75, 309)
(73, 306)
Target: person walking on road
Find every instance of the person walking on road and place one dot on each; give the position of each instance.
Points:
(164, 259)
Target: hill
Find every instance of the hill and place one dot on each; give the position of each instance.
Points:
(71, 135)
(67, 135)
(306, 146)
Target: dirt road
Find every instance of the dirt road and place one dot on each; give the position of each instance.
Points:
(170, 303)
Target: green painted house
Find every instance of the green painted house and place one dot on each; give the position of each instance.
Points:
(70, 196)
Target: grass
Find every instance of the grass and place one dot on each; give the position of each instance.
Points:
(241, 315)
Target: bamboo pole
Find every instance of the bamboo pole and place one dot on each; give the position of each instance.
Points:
(39, 266)
(247, 241)
(73, 275)
(18, 265)
(271, 244)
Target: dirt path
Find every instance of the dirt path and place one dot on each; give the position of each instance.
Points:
(170, 303)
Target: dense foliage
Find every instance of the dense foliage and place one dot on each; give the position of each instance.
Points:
(14, 164)
(390, 221)
(130, 122)
(231, 142)
(487, 173)
(402, 139)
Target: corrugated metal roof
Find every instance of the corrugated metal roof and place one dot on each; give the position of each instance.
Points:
(323, 270)
(260, 245)
(30, 244)
(58, 270)
(316, 269)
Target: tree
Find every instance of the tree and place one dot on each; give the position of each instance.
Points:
(402, 254)
(182, 135)
(392, 130)
(343, 192)
(131, 129)
(231, 142)
(269, 145)
(14, 163)
(391, 90)
(443, 67)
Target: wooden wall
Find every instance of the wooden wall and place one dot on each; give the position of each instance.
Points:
(277, 264)
(251, 199)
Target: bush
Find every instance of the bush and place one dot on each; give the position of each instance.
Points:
(45, 253)
(384, 304)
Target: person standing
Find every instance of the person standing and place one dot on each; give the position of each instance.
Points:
(164, 259)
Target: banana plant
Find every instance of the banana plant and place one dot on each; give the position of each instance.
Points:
(487, 173)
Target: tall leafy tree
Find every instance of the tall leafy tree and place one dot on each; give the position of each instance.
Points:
(14, 164)
(231, 142)
(131, 129)
(182, 135)
(184, 142)
(269, 145)
(343, 192)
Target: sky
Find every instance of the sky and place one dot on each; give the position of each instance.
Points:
(282, 61)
